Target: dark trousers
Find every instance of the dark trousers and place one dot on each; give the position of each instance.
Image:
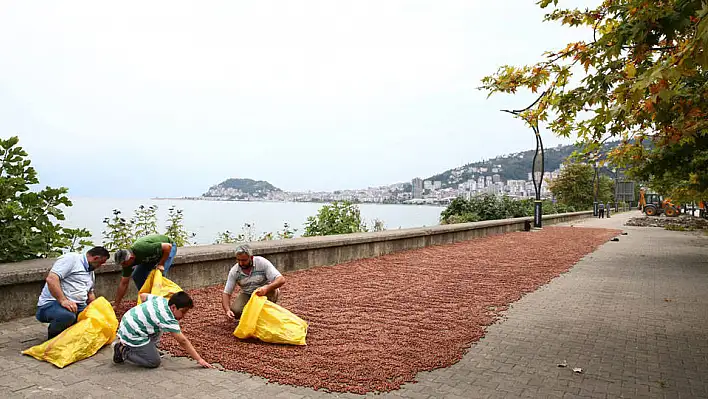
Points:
(601, 213)
(58, 317)
(144, 356)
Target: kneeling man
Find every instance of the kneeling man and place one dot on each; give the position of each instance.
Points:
(142, 326)
(251, 273)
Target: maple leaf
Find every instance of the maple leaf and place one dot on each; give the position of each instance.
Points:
(639, 82)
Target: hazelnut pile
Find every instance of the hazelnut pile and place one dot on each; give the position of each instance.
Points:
(375, 323)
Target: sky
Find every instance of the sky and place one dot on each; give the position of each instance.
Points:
(166, 98)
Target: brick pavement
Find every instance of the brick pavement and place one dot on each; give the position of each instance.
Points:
(633, 315)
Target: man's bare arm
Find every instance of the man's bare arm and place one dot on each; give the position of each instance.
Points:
(166, 249)
(187, 346)
(54, 285)
(122, 289)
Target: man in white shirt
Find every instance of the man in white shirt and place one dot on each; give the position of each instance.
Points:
(251, 273)
(68, 289)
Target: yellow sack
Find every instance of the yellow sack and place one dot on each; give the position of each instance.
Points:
(158, 285)
(270, 322)
(95, 327)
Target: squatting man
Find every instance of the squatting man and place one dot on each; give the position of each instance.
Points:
(251, 273)
(69, 288)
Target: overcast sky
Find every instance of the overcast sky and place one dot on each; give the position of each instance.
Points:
(166, 98)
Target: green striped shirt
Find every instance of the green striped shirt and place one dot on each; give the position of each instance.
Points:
(148, 318)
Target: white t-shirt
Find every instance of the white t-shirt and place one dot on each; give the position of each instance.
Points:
(263, 272)
(75, 279)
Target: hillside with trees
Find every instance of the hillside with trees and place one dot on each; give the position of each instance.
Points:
(241, 188)
(514, 166)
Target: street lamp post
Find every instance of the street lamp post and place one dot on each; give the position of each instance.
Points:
(537, 166)
(538, 161)
(616, 173)
(595, 184)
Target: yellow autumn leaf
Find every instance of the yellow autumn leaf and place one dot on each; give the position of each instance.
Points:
(630, 70)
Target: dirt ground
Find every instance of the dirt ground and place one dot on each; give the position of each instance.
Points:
(375, 323)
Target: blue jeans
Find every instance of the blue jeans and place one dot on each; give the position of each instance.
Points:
(141, 272)
(58, 317)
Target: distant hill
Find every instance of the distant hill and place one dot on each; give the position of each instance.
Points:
(514, 166)
(242, 188)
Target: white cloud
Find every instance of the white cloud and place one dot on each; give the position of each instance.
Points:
(305, 94)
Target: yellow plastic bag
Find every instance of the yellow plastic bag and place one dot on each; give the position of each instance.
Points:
(95, 327)
(270, 322)
(158, 285)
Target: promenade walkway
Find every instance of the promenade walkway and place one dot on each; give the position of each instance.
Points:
(633, 315)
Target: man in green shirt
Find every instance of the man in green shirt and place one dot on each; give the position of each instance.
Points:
(155, 251)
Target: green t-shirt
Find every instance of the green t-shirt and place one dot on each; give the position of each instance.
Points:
(147, 251)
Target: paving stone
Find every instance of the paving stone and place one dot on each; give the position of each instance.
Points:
(289, 395)
(15, 383)
(608, 315)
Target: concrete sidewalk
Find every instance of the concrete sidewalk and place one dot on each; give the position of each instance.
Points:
(633, 315)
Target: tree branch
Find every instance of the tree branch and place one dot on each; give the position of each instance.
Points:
(594, 28)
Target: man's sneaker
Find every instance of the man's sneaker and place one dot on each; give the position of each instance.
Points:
(117, 352)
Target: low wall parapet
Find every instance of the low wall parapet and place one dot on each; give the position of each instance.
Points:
(205, 265)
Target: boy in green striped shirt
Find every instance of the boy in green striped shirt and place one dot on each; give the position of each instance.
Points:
(141, 327)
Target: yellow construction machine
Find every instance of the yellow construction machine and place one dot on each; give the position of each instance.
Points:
(654, 204)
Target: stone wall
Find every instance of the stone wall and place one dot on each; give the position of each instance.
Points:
(201, 266)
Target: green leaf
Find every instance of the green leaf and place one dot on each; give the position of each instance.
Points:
(27, 227)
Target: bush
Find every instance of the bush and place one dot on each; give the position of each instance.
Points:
(121, 232)
(175, 228)
(490, 207)
(27, 218)
(248, 234)
(335, 218)
(485, 207)
(459, 211)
